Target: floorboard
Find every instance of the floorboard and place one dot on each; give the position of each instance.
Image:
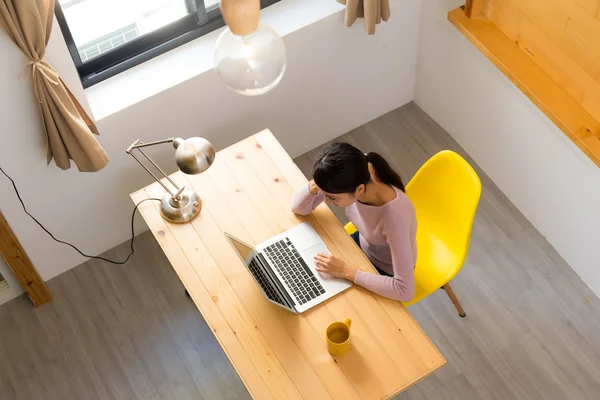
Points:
(129, 332)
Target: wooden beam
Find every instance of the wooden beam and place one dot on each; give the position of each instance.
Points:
(21, 266)
(473, 8)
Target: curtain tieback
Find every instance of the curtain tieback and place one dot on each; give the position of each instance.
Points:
(41, 67)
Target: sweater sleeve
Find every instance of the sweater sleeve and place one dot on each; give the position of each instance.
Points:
(401, 286)
(304, 202)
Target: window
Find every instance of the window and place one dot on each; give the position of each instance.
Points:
(106, 37)
(108, 42)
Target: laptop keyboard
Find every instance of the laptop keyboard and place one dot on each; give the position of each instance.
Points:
(264, 282)
(298, 277)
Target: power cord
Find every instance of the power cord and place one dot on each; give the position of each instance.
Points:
(69, 244)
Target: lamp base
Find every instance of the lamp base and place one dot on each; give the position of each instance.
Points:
(183, 210)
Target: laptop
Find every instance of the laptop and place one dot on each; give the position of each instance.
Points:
(284, 268)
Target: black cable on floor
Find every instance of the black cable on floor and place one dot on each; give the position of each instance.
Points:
(69, 244)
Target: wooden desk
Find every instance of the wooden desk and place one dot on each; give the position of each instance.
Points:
(277, 354)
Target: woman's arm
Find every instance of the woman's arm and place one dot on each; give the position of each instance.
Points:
(306, 199)
(401, 286)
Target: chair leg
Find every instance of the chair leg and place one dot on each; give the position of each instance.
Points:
(454, 299)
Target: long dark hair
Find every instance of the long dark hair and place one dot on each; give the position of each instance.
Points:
(341, 168)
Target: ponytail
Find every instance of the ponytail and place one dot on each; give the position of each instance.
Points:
(384, 172)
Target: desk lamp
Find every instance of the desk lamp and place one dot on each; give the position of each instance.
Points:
(194, 156)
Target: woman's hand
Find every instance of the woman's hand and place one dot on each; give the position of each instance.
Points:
(334, 266)
(313, 188)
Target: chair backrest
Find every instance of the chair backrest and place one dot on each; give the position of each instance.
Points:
(445, 192)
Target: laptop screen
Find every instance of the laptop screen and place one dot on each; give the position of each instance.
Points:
(242, 248)
(257, 269)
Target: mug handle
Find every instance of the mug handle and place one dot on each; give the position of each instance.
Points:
(348, 322)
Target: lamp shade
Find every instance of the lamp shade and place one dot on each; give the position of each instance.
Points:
(252, 64)
(194, 155)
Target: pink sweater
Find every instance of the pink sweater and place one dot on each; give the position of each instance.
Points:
(387, 237)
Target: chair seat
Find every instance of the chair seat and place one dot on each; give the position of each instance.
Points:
(437, 264)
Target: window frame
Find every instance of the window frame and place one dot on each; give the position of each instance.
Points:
(198, 23)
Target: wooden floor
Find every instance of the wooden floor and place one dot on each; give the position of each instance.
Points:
(129, 332)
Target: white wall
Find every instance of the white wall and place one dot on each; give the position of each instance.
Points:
(337, 79)
(544, 174)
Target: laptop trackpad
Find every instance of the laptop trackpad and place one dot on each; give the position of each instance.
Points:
(310, 253)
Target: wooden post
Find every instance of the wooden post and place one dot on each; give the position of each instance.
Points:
(474, 7)
(21, 265)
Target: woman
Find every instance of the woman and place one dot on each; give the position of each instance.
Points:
(373, 195)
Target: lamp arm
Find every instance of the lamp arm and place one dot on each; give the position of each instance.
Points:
(138, 144)
(176, 195)
(152, 173)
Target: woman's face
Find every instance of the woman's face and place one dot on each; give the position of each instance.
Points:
(342, 199)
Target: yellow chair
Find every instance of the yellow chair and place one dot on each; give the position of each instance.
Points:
(445, 193)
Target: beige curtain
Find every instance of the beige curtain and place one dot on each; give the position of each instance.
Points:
(69, 130)
(373, 11)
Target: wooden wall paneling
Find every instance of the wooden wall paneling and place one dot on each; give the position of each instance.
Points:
(473, 8)
(533, 81)
(592, 105)
(555, 56)
(582, 28)
(591, 6)
(504, 16)
(568, 34)
(572, 77)
(573, 26)
(552, 20)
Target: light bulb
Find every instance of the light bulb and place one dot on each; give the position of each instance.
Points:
(252, 64)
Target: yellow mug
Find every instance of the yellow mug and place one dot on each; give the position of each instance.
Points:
(338, 338)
